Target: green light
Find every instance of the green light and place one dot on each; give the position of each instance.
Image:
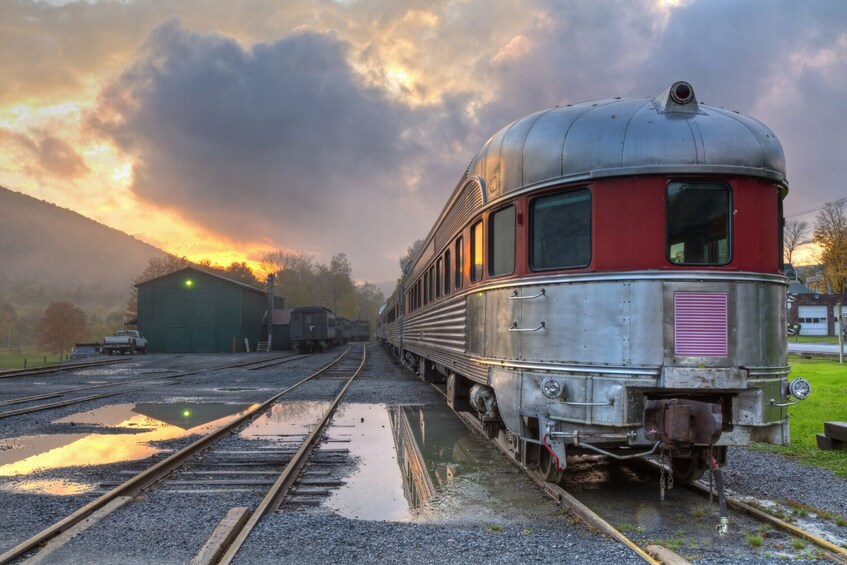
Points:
(186, 413)
(189, 282)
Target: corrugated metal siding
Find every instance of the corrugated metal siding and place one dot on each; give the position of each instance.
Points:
(468, 202)
(441, 326)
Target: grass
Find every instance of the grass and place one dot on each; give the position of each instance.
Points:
(827, 403)
(674, 544)
(754, 540)
(31, 358)
(832, 339)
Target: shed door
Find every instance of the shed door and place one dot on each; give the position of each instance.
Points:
(813, 320)
(190, 321)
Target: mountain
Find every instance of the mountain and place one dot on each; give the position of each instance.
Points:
(50, 253)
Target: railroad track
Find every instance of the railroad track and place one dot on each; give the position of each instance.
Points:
(254, 365)
(349, 364)
(651, 553)
(58, 368)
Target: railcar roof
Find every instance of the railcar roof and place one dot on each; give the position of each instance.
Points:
(667, 134)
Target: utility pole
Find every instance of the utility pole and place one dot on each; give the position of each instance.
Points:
(839, 327)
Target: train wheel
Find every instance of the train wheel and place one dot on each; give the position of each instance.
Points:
(547, 466)
(689, 469)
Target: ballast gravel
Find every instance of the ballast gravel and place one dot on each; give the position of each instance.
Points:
(161, 527)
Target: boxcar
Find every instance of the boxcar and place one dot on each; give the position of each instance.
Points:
(313, 328)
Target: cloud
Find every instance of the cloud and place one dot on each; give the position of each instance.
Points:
(282, 140)
(45, 153)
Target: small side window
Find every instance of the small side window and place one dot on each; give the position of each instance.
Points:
(439, 270)
(432, 284)
(426, 288)
(459, 271)
(560, 231)
(476, 252)
(446, 272)
(501, 242)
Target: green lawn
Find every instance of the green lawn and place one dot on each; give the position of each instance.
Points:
(827, 403)
(814, 339)
(33, 359)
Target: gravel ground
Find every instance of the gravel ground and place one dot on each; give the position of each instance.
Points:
(166, 527)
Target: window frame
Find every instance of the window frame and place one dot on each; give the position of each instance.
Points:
(439, 274)
(492, 241)
(530, 210)
(730, 232)
(459, 274)
(473, 274)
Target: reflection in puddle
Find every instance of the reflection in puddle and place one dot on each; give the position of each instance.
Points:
(286, 419)
(29, 454)
(420, 464)
(58, 487)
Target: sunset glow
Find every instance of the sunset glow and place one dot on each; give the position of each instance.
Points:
(225, 133)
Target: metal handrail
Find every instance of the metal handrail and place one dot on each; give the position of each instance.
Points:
(515, 328)
(515, 295)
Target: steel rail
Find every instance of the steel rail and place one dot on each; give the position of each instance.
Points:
(765, 517)
(290, 473)
(55, 368)
(79, 400)
(152, 474)
(557, 493)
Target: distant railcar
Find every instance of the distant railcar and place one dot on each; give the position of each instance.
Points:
(313, 328)
(606, 278)
(347, 330)
(361, 330)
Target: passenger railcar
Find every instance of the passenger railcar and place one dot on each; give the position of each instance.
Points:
(314, 328)
(606, 278)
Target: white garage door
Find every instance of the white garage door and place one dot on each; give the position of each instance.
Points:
(813, 320)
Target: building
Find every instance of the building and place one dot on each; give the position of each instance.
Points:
(193, 310)
(814, 311)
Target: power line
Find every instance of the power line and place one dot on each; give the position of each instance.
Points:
(810, 210)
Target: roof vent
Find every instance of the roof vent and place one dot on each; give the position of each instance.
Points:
(678, 98)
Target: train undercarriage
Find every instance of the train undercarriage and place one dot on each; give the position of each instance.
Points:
(689, 430)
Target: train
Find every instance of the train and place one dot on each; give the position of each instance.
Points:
(606, 278)
(316, 328)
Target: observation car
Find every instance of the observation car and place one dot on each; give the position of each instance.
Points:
(606, 278)
(314, 328)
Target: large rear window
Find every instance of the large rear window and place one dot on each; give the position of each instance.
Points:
(698, 218)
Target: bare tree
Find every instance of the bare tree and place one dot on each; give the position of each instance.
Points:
(831, 238)
(795, 235)
(156, 267)
(62, 325)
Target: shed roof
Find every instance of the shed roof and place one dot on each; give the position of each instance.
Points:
(211, 273)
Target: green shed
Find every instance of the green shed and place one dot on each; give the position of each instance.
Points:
(197, 311)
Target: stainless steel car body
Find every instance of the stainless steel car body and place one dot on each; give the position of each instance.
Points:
(607, 337)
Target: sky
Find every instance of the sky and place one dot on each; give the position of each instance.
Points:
(224, 129)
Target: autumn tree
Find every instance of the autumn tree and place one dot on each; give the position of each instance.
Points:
(62, 325)
(795, 235)
(831, 238)
(411, 252)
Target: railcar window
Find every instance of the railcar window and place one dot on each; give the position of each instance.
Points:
(476, 252)
(501, 242)
(561, 231)
(426, 288)
(446, 272)
(459, 273)
(420, 296)
(432, 284)
(439, 270)
(698, 223)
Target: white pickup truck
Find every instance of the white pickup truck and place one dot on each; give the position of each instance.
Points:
(124, 341)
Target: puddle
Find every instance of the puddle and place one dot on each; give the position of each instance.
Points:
(58, 487)
(30, 454)
(286, 419)
(421, 464)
